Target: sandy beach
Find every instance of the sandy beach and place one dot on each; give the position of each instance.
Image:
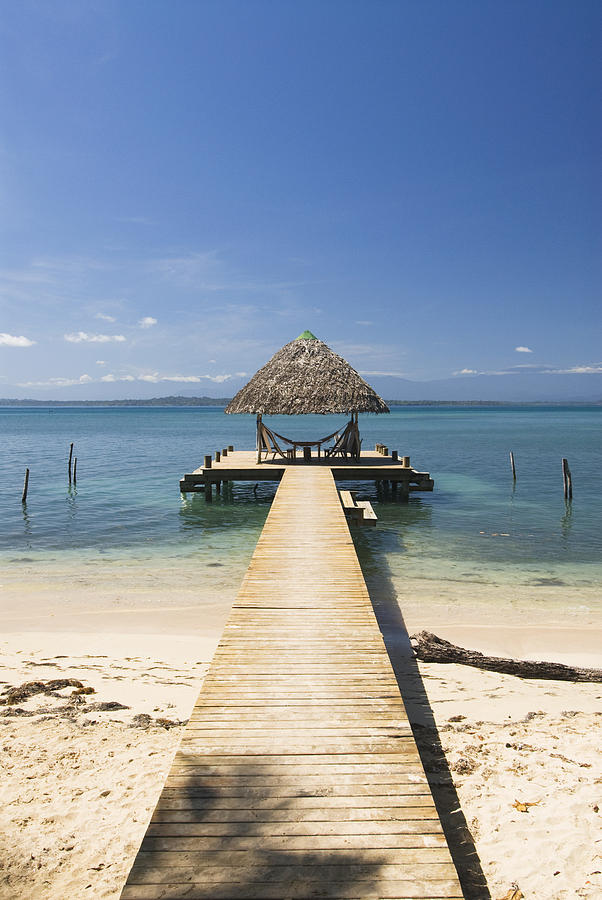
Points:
(82, 770)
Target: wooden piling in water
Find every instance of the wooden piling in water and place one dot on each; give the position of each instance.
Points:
(75, 471)
(567, 480)
(512, 465)
(25, 487)
(70, 459)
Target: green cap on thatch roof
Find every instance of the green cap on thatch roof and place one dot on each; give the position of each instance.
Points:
(305, 376)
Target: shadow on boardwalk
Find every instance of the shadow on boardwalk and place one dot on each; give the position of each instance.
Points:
(397, 641)
(243, 843)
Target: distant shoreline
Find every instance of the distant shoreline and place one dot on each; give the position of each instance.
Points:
(219, 402)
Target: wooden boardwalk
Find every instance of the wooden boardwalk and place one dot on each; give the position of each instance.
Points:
(298, 775)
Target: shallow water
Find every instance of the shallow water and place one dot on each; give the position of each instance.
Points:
(477, 527)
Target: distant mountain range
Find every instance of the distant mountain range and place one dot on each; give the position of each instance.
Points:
(535, 387)
(519, 388)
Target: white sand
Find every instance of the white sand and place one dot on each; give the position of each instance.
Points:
(79, 785)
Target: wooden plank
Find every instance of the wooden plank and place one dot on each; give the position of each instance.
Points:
(434, 871)
(307, 843)
(298, 774)
(369, 516)
(207, 815)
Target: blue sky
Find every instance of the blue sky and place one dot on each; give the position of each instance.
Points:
(188, 185)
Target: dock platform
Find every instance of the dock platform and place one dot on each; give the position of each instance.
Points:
(298, 775)
(242, 465)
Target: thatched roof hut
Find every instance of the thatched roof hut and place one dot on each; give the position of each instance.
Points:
(304, 377)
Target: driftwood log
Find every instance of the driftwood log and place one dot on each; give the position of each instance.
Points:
(430, 648)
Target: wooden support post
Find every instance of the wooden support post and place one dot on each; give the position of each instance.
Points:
(207, 462)
(567, 480)
(258, 438)
(394, 455)
(404, 491)
(512, 465)
(75, 470)
(230, 448)
(385, 451)
(406, 462)
(25, 487)
(218, 456)
(218, 487)
(70, 458)
(208, 492)
(224, 451)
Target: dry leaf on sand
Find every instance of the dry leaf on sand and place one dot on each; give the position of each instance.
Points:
(522, 807)
(513, 894)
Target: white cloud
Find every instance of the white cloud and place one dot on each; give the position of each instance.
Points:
(185, 379)
(101, 362)
(58, 382)
(593, 369)
(578, 370)
(79, 337)
(147, 322)
(104, 317)
(110, 377)
(12, 340)
(218, 379)
(155, 377)
(523, 350)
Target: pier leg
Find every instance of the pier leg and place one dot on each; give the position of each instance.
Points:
(404, 491)
(208, 492)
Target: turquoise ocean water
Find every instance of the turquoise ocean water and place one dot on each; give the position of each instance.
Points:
(476, 525)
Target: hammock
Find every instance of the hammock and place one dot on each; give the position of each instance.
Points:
(346, 441)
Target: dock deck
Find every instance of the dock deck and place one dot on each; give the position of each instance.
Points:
(298, 775)
(242, 465)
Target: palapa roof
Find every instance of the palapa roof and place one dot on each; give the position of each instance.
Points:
(306, 376)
